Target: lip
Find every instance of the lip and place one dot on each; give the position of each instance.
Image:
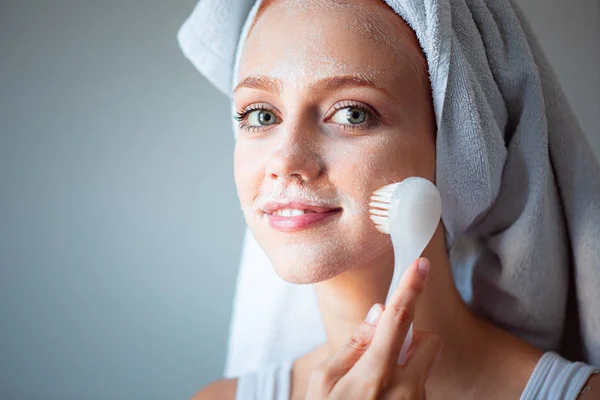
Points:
(320, 214)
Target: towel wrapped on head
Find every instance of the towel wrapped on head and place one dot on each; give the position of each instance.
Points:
(519, 184)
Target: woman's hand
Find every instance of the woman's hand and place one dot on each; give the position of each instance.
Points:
(366, 367)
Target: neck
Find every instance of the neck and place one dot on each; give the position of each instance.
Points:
(345, 300)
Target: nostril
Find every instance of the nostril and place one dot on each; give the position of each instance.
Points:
(298, 166)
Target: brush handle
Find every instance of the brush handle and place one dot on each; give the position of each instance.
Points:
(414, 214)
(405, 346)
(398, 272)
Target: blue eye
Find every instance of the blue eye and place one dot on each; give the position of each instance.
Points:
(257, 117)
(261, 118)
(350, 116)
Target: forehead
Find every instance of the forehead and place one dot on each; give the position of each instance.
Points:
(296, 8)
(299, 40)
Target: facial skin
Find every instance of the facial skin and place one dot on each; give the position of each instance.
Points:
(346, 85)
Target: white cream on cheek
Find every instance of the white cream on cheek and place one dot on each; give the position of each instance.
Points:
(279, 189)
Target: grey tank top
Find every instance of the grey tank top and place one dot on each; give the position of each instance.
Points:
(269, 383)
(554, 378)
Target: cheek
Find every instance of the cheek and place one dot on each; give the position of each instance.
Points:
(404, 154)
(248, 171)
(363, 168)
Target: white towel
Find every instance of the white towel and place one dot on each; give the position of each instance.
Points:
(519, 184)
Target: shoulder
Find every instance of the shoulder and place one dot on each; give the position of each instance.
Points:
(222, 389)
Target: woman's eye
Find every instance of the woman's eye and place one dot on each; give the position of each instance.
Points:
(350, 116)
(261, 118)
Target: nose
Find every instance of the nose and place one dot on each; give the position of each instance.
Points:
(294, 158)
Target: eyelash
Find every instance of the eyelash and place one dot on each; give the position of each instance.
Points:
(241, 116)
(372, 116)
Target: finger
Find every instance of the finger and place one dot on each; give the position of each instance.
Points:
(326, 376)
(395, 321)
(357, 344)
(409, 381)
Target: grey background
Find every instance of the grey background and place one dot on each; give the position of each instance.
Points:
(120, 231)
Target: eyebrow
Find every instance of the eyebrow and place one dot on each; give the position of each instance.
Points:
(274, 86)
(260, 82)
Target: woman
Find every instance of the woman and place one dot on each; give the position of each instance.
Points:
(333, 102)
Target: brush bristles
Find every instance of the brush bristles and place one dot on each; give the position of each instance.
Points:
(382, 198)
(379, 204)
(379, 207)
(381, 213)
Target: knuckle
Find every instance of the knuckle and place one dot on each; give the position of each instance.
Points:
(358, 342)
(415, 287)
(403, 313)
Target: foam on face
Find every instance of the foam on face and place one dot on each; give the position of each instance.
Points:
(304, 61)
(300, 42)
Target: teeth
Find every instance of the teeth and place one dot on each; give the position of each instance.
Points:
(287, 212)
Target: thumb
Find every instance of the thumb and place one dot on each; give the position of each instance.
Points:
(326, 376)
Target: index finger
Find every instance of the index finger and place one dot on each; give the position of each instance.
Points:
(396, 320)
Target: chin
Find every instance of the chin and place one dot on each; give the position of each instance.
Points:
(305, 274)
(308, 264)
(302, 259)
(314, 257)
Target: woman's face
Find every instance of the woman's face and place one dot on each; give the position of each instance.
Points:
(333, 103)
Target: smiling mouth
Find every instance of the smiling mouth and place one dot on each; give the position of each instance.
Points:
(292, 212)
(293, 220)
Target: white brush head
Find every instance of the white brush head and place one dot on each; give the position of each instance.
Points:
(410, 211)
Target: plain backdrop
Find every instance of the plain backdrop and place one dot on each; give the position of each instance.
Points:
(120, 230)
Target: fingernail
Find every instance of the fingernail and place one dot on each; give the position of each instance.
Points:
(373, 315)
(424, 266)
